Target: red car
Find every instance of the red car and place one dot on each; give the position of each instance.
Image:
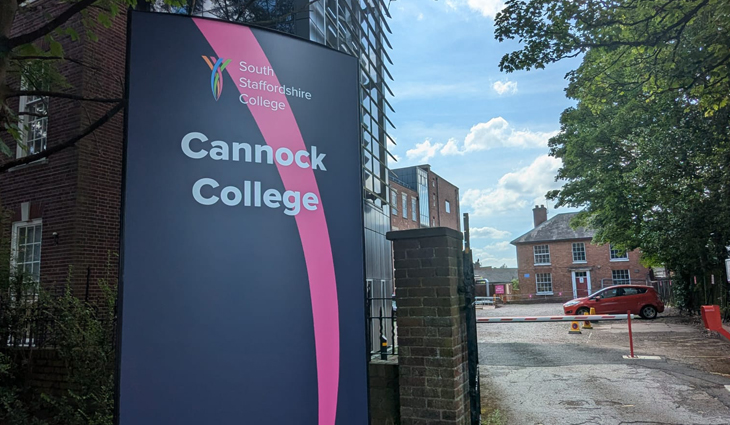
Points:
(619, 299)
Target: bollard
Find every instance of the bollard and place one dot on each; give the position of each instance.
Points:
(383, 347)
(631, 337)
(587, 323)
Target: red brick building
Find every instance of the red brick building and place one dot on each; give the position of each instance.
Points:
(421, 198)
(560, 262)
(63, 211)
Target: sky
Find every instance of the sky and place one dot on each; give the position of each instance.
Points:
(483, 130)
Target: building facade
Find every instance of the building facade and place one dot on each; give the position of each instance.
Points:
(62, 212)
(434, 200)
(65, 210)
(360, 28)
(557, 261)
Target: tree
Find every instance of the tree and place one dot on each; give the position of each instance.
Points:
(31, 61)
(646, 149)
(674, 45)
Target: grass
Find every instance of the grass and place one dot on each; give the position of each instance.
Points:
(493, 418)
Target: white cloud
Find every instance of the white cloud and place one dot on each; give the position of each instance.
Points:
(420, 16)
(486, 258)
(488, 232)
(450, 148)
(488, 8)
(498, 246)
(502, 87)
(423, 151)
(497, 133)
(515, 190)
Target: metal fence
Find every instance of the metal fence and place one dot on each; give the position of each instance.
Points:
(382, 338)
(28, 325)
(28, 322)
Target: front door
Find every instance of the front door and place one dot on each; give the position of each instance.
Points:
(581, 284)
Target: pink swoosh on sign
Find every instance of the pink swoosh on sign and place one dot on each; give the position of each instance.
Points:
(280, 129)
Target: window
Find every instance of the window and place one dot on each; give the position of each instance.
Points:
(26, 258)
(634, 291)
(609, 293)
(579, 252)
(33, 110)
(394, 201)
(404, 204)
(448, 207)
(413, 209)
(620, 277)
(542, 254)
(33, 120)
(544, 283)
(618, 254)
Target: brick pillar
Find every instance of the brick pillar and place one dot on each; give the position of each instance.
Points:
(432, 354)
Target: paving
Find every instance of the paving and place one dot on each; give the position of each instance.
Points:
(536, 373)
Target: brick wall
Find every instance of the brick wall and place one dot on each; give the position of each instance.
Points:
(397, 222)
(384, 392)
(76, 192)
(440, 191)
(598, 264)
(432, 353)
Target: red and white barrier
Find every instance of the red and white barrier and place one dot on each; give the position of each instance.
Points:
(590, 318)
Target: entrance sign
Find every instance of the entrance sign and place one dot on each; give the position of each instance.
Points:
(242, 274)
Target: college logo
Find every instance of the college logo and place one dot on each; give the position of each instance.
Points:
(216, 76)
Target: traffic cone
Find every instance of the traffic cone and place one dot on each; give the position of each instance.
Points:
(574, 327)
(586, 323)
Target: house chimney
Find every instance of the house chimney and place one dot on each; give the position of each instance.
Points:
(539, 214)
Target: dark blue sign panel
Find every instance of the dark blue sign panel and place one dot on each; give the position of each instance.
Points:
(242, 267)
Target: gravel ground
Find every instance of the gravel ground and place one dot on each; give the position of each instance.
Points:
(536, 373)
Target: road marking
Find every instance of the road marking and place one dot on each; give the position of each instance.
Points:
(727, 387)
(643, 357)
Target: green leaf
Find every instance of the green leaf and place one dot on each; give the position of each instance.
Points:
(5, 149)
(72, 33)
(56, 49)
(104, 20)
(91, 35)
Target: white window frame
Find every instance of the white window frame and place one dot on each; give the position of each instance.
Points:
(25, 121)
(14, 243)
(585, 258)
(414, 213)
(537, 283)
(394, 201)
(614, 257)
(621, 281)
(447, 205)
(404, 202)
(535, 254)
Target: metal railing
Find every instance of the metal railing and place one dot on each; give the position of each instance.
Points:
(382, 324)
(482, 301)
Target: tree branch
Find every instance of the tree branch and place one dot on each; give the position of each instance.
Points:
(51, 25)
(76, 61)
(67, 144)
(43, 93)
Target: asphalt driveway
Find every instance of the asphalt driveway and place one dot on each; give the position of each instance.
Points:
(536, 373)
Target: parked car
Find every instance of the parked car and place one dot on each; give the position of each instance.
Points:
(641, 300)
